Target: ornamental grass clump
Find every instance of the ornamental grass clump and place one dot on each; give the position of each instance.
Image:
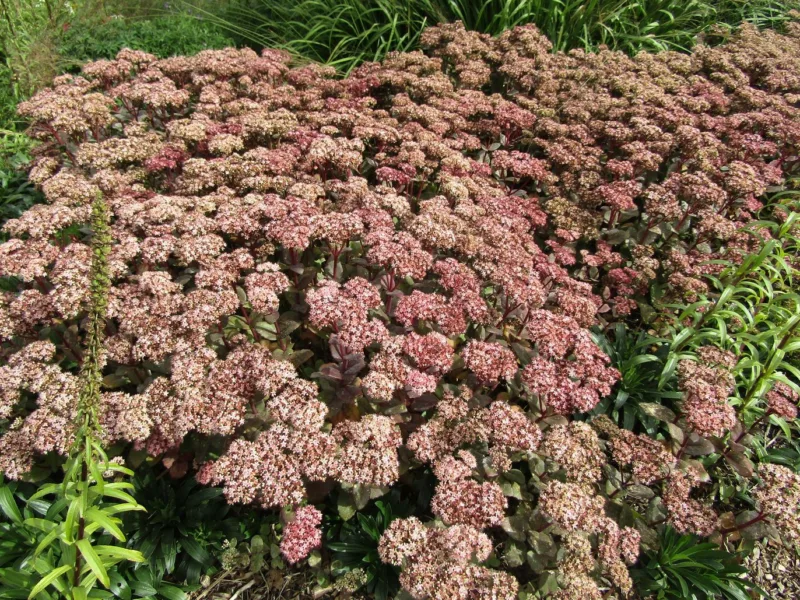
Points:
(342, 283)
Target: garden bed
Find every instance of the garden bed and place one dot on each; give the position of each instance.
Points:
(479, 321)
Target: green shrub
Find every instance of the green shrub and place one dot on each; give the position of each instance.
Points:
(342, 33)
(354, 544)
(183, 527)
(163, 36)
(17, 194)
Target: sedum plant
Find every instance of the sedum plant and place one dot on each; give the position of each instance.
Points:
(325, 286)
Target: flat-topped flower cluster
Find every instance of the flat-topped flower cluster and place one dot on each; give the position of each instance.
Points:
(345, 280)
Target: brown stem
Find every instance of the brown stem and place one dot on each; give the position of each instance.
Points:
(749, 429)
(646, 230)
(335, 252)
(757, 519)
(507, 310)
(682, 449)
(250, 324)
(75, 352)
(612, 218)
(623, 485)
(281, 340)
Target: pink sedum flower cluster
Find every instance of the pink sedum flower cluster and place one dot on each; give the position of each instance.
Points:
(440, 563)
(302, 534)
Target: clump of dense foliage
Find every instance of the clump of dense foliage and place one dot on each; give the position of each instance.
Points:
(345, 33)
(163, 36)
(323, 283)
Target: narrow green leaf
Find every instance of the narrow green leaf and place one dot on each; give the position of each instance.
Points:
(47, 540)
(196, 551)
(72, 516)
(118, 494)
(48, 580)
(79, 593)
(46, 490)
(94, 515)
(9, 506)
(123, 507)
(120, 553)
(93, 561)
(41, 524)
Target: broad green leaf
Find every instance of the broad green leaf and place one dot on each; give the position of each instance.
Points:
(79, 593)
(662, 413)
(170, 592)
(196, 551)
(119, 587)
(345, 506)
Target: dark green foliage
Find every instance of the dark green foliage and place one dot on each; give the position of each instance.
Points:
(685, 569)
(639, 359)
(620, 24)
(8, 105)
(17, 193)
(184, 527)
(38, 540)
(344, 33)
(181, 533)
(17, 541)
(163, 36)
(354, 544)
(147, 583)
